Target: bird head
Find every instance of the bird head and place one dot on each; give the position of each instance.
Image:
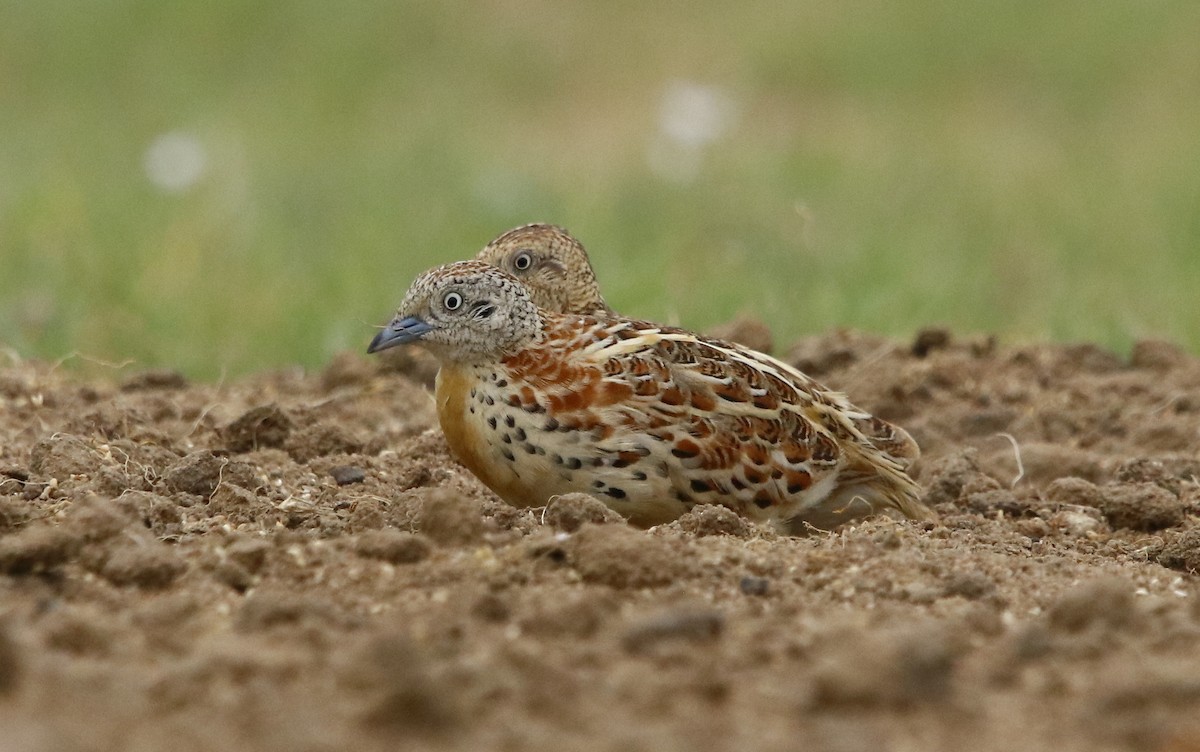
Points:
(464, 312)
(552, 264)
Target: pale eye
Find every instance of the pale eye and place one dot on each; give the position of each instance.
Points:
(522, 261)
(453, 301)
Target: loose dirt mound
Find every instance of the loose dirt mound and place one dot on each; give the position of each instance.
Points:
(293, 562)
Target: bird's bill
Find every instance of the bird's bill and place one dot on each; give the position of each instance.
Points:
(399, 332)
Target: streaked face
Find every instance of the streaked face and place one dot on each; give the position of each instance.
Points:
(463, 312)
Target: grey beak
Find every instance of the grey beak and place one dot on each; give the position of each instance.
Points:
(399, 332)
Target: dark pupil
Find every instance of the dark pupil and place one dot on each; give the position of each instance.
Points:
(523, 261)
(453, 302)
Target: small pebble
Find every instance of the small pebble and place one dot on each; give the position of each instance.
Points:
(754, 585)
(344, 475)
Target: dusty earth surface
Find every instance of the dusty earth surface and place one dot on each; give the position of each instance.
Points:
(292, 561)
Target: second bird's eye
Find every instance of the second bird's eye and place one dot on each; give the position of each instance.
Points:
(522, 261)
(453, 301)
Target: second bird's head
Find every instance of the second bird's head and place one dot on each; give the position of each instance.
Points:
(464, 312)
(552, 264)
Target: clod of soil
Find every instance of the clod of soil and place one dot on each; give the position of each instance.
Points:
(200, 473)
(1142, 506)
(1183, 553)
(886, 669)
(393, 546)
(1109, 603)
(36, 549)
(450, 518)
(63, 455)
(621, 557)
(149, 565)
(714, 520)
(258, 428)
(570, 511)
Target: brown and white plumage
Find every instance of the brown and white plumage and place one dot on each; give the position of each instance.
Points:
(555, 267)
(652, 420)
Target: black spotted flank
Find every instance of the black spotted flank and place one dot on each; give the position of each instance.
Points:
(615, 492)
(508, 455)
(520, 434)
(701, 486)
(510, 421)
(574, 463)
(492, 422)
(683, 454)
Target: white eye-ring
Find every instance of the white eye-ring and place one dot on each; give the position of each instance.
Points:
(453, 301)
(522, 261)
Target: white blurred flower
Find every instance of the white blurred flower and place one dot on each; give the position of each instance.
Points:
(691, 116)
(174, 161)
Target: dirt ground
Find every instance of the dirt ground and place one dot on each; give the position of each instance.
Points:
(292, 561)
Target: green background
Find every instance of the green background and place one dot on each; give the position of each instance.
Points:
(1025, 168)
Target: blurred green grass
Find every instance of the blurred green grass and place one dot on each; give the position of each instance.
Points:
(1030, 169)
